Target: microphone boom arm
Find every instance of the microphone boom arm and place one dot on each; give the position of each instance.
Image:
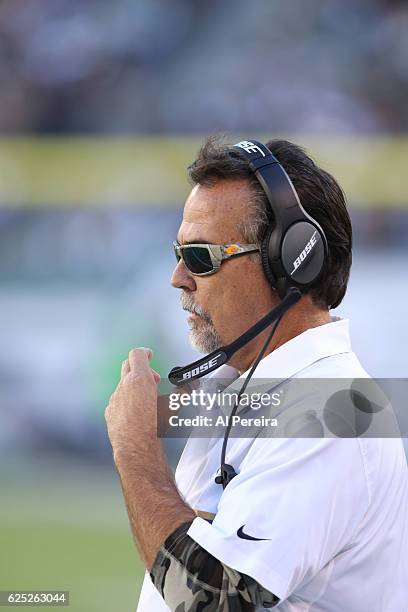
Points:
(180, 375)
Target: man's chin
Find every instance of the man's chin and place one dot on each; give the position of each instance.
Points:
(205, 342)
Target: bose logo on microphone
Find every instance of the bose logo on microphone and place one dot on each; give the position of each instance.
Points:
(308, 247)
(203, 367)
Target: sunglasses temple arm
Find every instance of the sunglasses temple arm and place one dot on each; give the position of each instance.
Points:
(180, 375)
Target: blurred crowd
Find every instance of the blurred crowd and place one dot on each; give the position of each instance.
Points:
(79, 286)
(166, 66)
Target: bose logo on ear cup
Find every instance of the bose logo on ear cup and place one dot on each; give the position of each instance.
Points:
(308, 247)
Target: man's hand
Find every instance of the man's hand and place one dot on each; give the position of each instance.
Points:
(131, 414)
(154, 505)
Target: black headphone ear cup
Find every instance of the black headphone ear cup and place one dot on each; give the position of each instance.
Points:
(303, 252)
(278, 284)
(265, 257)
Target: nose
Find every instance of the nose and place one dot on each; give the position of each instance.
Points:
(181, 278)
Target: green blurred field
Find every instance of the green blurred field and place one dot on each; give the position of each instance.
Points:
(64, 527)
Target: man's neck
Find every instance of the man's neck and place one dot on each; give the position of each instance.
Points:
(292, 324)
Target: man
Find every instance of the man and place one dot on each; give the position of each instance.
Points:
(307, 523)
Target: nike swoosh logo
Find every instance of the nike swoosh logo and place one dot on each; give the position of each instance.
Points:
(245, 536)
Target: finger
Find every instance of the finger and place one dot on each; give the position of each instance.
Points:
(125, 368)
(156, 376)
(148, 352)
(139, 358)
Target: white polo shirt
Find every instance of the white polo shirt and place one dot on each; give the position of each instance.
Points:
(331, 514)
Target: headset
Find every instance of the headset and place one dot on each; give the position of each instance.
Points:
(293, 252)
(294, 249)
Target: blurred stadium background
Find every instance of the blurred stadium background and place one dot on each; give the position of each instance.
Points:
(102, 106)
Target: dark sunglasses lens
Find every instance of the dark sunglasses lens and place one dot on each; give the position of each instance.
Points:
(197, 260)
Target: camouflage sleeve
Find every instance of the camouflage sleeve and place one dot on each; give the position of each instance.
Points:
(190, 579)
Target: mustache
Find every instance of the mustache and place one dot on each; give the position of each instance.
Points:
(187, 303)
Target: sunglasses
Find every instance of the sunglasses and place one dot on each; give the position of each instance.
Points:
(205, 259)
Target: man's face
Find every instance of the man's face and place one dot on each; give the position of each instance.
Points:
(223, 305)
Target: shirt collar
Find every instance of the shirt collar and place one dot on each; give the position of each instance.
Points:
(290, 358)
(301, 351)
